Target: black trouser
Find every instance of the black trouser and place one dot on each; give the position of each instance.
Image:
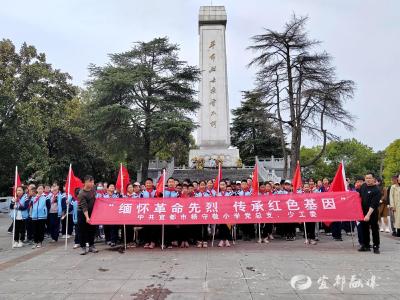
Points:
(310, 227)
(76, 240)
(129, 233)
(247, 231)
(86, 231)
(10, 228)
(289, 229)
(185, 232)
(54, 225)
(336, 228)
(29, 229)
(224, 232)
(200, 232)
(19, 234)
(266, 230)
(151, 233)
(70, 225)
(111, 233)
(373, 224)
(38, 227)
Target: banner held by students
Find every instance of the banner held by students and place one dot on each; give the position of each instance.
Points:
(290, 208)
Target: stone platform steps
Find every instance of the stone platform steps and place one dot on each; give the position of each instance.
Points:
(196, 175)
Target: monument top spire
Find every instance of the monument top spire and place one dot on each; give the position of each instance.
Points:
(212, 15)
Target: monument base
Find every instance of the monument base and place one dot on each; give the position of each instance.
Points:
(209, 158)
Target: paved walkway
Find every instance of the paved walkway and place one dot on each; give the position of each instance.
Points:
(279, 270)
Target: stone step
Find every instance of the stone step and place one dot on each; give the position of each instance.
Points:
(196, 175)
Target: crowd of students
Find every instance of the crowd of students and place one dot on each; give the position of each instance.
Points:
(41, 211)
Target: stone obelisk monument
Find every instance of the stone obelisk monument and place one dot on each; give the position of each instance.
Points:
(214, 134)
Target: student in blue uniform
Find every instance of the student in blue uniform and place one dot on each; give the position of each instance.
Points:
(171, 231)
(224, 229)
(40, 207)
(248, 230)
(57, 205)
(132, 192)
(111, 231)
(19, 210)
(202, 230)
(150, 233)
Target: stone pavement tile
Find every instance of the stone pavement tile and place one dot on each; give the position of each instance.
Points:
(139, 287)
(228, 296)
(233, 285)
(267, 296)
(90, 296)
(185, 285)
(66, 285)
(188, 271)
(101, 286)
(7, 296)
(224, 272)
(46, 296)
(28, 286)
(346, 297)
(182, 296)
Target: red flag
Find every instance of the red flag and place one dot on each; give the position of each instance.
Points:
(160, 185)
(255, 180)
(72, 183)
(17, 182)
(218, 179)
(339, 181)
(297, 183)
(122, 180)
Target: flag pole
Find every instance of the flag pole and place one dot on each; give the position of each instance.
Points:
(67, 201)
(122, 192)
(15, 204)
(259, 224)
(305, 232)
(162, 227)
(219, 179)
(346, 188)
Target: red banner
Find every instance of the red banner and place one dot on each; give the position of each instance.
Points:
(291, 208)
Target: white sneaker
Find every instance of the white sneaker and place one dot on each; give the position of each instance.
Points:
(381, 230)
(63, 236)
(76, 246)
(39, 245)
(387, 230)
(20, 244)
(15, 245)
(266, 241)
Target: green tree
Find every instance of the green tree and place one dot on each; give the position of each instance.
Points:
(144, 95)
(32, 94)
(251, 130)
(391, 161)
(358, 159)
(300, 85)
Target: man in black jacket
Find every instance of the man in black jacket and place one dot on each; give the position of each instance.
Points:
(87, 198)
(370, 197)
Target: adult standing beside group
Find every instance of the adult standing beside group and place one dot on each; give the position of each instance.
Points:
(86, 198)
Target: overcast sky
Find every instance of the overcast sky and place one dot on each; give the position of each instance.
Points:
(362, 36)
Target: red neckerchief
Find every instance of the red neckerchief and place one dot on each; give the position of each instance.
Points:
(202, 193)
(191, 194)
(36, 199)
(149, 190)
(53, 198)
(184, 195)
(170, 189)
(223, 193)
